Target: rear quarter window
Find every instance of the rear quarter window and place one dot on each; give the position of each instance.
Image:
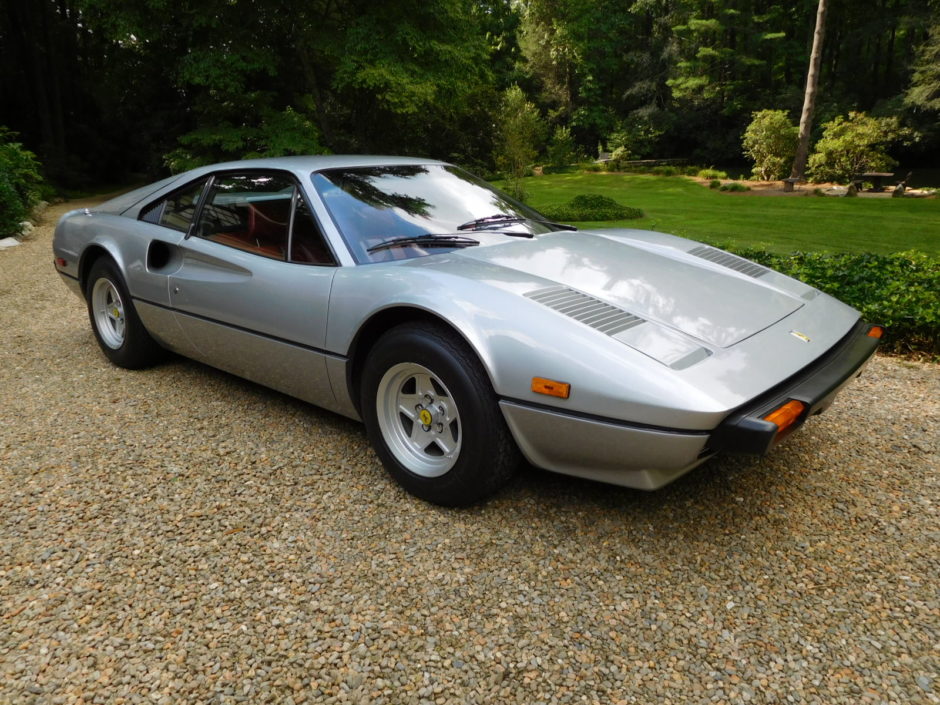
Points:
(177, 210)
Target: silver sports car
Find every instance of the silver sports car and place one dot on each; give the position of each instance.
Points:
(463, 328)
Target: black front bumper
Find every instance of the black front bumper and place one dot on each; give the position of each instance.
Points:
(746, 430)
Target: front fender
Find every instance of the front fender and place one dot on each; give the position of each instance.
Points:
(517, 339)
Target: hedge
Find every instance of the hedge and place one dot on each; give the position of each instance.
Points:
(900, 291)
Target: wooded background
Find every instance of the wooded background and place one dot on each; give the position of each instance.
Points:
(109, 90)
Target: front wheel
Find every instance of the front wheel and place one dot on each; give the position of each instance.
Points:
(432, 416)
(114, 320)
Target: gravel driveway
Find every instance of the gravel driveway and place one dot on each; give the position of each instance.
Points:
(181, 536)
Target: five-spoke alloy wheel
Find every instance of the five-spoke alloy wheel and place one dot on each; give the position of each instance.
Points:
(114, 320)
(433, 418)
(419, 419)
(107, 310)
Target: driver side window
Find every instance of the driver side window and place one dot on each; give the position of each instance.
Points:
(249, 212)
(265, 214)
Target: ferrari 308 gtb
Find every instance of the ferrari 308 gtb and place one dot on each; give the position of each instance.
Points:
(463, 328)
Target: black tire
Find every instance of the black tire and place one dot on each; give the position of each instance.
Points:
(466, 418)
(114, 320)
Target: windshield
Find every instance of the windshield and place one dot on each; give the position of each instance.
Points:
(374, 205)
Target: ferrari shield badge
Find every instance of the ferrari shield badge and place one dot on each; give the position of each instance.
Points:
(801, 336)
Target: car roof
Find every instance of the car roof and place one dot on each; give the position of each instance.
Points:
(302, 165)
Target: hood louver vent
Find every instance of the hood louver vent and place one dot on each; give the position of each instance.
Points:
(586, 309)
(738, 264)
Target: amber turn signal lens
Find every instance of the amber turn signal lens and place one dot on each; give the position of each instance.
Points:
(540, 385)
(876, 332)
(786, 415)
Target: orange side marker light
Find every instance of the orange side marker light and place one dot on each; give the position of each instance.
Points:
(787, 415)
(540, 385)
(876, 332)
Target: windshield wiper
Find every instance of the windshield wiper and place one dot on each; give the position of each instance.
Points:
(427, 240)
(505, 218)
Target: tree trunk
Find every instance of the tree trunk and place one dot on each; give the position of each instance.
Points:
(889, 58)
(809, 99)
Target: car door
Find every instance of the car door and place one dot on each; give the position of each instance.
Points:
(253, 286)
(162, 226)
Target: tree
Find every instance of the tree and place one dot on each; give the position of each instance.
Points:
(51, 87)
(117, 84)
(561, 148)
(770, 141)
(103, 90)
(852, 146)
(727, 50)
(519, 132)
(924, 93)
(809, 98)
(595, 64)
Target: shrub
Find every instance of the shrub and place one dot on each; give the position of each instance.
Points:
(734, 186)
(618, 160)
(20, 183)
(898, 291)
(591, 206)
(569, 169)
(561, 148)
(711, 174)
(640, 135)
(617, 139)
(714, 184)
(12, 212)
(665, 171)
(770, 141)
(852, 146)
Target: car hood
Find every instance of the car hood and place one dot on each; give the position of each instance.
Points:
(665, 284)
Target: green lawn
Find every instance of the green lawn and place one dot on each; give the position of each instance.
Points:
(782, 224)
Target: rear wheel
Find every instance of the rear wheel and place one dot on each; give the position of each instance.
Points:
(433, 418)
(114, 320)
